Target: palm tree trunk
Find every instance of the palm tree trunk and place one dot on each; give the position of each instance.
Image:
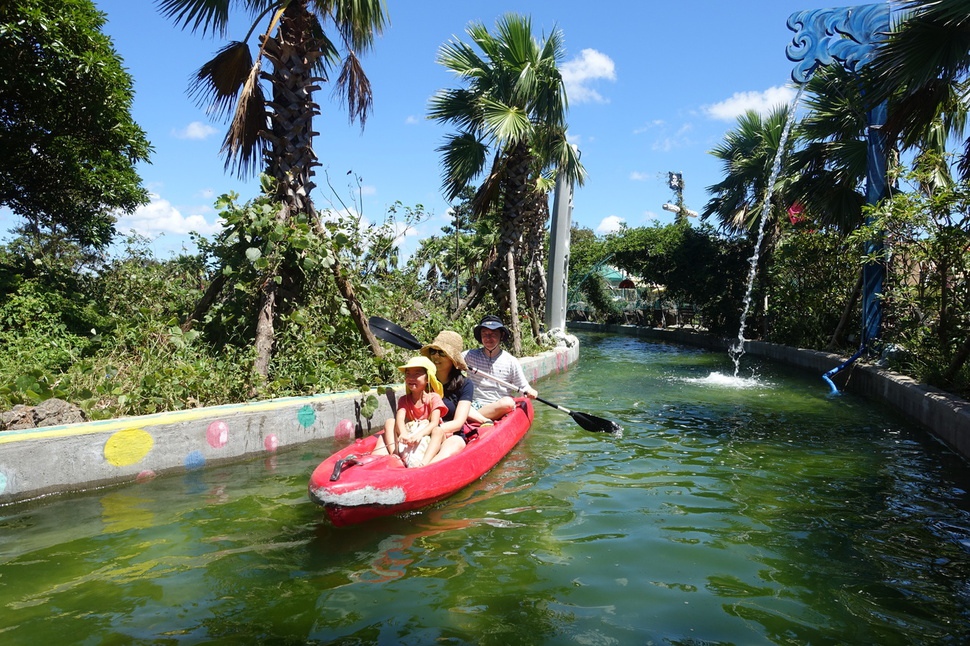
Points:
(265, 326)
(513, 305)
(534, 280)
(516, 204)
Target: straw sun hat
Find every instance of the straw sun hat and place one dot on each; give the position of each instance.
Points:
(451, 344)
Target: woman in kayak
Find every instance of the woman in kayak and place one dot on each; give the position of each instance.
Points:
(459, 392)
(419, 411)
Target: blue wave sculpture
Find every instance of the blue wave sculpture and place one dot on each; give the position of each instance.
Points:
(847, 35)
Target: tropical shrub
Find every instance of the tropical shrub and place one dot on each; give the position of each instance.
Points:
(927, 301)
(812, 277)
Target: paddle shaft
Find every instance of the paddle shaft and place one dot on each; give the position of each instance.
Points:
(515, 388)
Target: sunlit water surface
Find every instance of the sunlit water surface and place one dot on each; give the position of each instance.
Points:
(756, 510)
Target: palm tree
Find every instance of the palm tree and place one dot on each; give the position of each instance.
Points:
(829, 163)
(747, 155)
(271, 125)
(927, 59)
(745, 201)
(513, 111)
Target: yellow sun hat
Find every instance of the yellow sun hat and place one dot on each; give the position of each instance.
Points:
(421, 361)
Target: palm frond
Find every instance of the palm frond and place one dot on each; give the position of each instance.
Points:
(354, 86)
(207, 15)
(244, 144)
(358, 21)
(462, 160)
(458, 106)
(933, 42)
(217, 82)
(504, 122)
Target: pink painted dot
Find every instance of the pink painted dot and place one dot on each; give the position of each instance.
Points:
(217, 434)
(271, 442)
(145, 476)
(344, 430)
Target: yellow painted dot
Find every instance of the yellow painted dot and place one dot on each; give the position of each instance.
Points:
(128, 447)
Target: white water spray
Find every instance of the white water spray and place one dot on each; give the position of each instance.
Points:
(737, 349)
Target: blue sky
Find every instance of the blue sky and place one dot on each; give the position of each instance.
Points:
(653, 86)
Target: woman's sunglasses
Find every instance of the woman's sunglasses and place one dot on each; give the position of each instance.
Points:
(435, 352)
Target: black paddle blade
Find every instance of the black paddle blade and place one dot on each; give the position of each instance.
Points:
(594, 423)
(392, 333)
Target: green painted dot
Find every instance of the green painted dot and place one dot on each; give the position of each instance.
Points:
(306, 416)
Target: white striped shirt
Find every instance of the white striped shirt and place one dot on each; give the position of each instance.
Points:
(505, 366)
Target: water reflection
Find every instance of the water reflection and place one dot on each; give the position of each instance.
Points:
(722, 515)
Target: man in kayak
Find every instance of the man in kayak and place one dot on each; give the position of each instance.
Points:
(493, 400)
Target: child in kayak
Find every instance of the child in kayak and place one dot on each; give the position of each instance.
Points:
(419, 411)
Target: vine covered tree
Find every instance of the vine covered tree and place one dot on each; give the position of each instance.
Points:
(271, 113)
(68, 144)
(512, 110)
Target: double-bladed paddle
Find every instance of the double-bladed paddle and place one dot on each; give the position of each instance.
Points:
(393, 333)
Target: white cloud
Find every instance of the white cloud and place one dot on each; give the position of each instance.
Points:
(195, 130)
(741, 102)
(610, 224)
(656, 123)
(411, 120)
(591, 65)
(160, 216)
(637, 176)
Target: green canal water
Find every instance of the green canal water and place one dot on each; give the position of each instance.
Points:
(753, 511)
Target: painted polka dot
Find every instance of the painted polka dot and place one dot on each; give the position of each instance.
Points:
(271, 443)
(344, 430)
(306, 416)
(145, 476)
(217, 435)
(194, 460)
(128, 447)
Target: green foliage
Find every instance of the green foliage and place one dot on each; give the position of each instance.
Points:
(695, 266)
(813, 274)
(927, 306)
(68, 145)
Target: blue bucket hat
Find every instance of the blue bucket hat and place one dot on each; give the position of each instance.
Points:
(492, 322)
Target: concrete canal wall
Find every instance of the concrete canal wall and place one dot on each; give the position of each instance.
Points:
(944, 415)
(76, 457)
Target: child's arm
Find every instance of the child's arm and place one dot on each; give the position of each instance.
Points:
(400, 424)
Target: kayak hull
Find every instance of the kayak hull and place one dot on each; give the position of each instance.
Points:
(370, 486)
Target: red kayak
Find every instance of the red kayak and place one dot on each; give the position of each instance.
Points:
(353, 485)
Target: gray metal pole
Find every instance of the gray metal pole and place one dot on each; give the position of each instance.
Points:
(557, 271)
